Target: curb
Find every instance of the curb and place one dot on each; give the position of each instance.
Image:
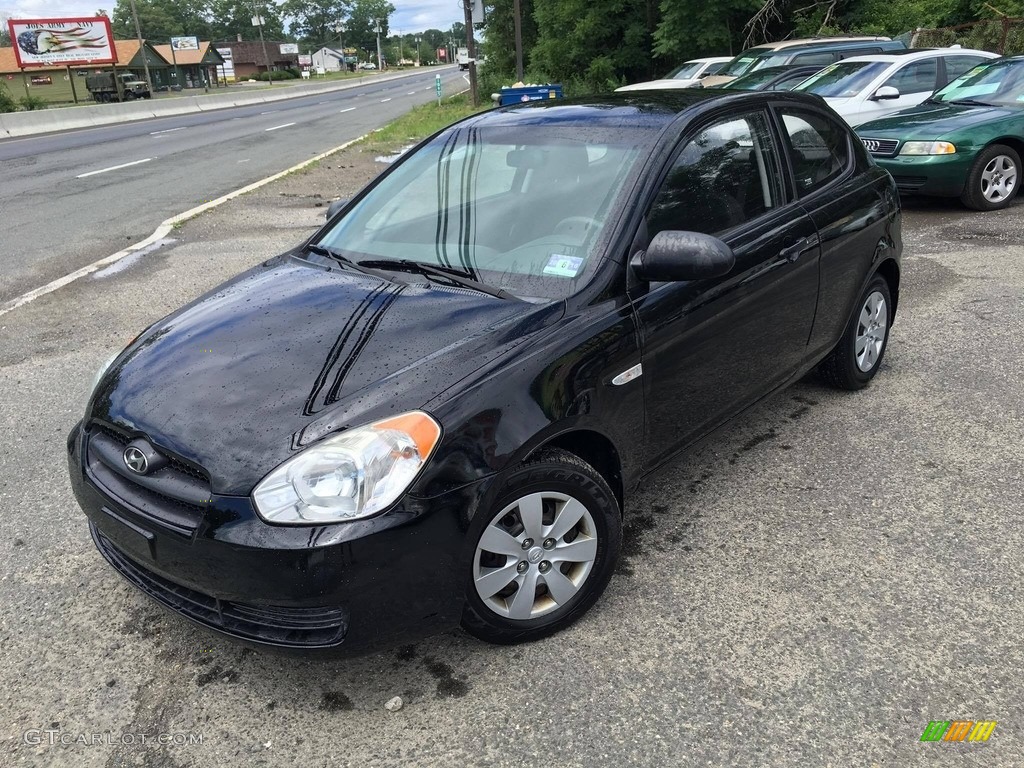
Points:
(162, 231)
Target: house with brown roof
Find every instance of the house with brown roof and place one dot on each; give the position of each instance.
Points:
(61, 84)
(193, 68)
(249, 57)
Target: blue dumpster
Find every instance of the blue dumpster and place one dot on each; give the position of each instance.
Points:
(529, 93)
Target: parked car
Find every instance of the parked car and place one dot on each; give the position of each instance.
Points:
(864, 88)
(964, 141)
(435, 409)
(772, 78)
(686, 75)
(817, 50)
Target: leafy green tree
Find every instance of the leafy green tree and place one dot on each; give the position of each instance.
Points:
(231, 18)
(499, 45)
(363, 16)
(160, 19)
(313, 21)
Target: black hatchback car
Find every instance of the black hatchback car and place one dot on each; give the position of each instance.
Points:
(433, 411)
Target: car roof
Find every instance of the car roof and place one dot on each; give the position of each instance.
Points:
(913, 55)
(814, 41)
(708, 59)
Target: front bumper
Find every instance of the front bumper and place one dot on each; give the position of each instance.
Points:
(341, 589)
(937, 175)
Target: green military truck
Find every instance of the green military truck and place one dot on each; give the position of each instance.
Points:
(104, 87)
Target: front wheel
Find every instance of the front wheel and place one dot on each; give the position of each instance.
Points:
(857, 356)
(993, 180)
(544, 552)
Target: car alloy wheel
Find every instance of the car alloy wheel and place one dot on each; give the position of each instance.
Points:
(545, 556)
(871, 331)
(535, 555)
(999, 179)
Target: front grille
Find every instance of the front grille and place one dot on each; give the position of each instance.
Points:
(276, 625)
(881, 147)
(176, 496)
(910, 183)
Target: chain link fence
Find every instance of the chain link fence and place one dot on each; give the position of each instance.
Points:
(1003, 36)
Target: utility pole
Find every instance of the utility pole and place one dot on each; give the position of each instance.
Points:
(467, 6)
(380, 59)
(142, 47)
(258, 21)
(518, 16)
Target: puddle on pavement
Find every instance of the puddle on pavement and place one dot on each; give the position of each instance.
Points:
(128, 261)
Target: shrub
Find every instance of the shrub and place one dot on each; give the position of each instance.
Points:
(29, 103)
(275, 75)
(7, 102)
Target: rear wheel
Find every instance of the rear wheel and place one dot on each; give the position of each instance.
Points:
(993, 180)
(855, 360)
(544, 552)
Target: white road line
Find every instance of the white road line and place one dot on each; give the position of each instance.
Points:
(349, 109)
(384, 100)
(411, 93)
(161, 232)
(280, 126)
(270, 111)
(112, 168)
(169, 130)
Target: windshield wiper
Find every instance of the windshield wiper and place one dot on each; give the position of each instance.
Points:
(341, 258)
(970, 103)
(451, 274)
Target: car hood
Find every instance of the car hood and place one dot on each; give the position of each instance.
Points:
(282, 355)
(658, 85)
(933, 121)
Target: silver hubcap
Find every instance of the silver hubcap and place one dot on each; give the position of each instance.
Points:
(999, 179)
(535, 555)
(871, 327)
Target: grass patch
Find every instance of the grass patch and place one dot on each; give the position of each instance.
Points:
(420, 123)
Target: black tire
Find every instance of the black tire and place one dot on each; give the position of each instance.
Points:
(559, 472)
(841, 368)
(974, 194)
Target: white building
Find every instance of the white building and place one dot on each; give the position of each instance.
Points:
(328, 58)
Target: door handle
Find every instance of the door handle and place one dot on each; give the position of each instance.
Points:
(793, 252)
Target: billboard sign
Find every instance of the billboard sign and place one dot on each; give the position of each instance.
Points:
(305, 60)
(287, 48)
(185, 43)
(62, 42)
(227, 69)
(442, 54)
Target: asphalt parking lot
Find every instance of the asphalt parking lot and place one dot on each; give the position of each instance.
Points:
(812, 587)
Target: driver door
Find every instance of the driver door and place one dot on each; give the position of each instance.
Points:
(711, 347)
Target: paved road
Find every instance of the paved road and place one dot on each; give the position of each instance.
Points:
(63, 206)
(810, 589)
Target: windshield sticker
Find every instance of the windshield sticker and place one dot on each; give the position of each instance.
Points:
(562, 265)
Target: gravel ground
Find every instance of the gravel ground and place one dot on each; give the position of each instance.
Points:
(811, 588)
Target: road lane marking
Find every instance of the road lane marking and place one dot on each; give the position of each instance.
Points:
(162, 231)
(349, 109)
(112, 168)
(169, 130)
(270, 111)
(411, 93)
(280, 126)
(384, 100)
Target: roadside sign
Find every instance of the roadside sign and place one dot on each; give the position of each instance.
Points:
(62, 42)
(185, 43)
(287, 48)
(437, 87)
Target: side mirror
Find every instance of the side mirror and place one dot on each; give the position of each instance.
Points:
(334, 207)
(884, 93)
(676, 256)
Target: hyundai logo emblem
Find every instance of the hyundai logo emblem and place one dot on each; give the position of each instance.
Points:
(136, 460)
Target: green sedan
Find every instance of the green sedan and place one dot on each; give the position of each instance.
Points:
(965, 141)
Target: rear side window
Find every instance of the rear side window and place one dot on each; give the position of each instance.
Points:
(814, 58)
(849, 53)
(713, 68)
(819, 146)
(958, 65)
(918, 77)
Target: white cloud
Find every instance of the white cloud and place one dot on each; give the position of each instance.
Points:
(409, 16)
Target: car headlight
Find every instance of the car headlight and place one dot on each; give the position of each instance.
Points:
(927, 148)
(102, 372)
(349, 476)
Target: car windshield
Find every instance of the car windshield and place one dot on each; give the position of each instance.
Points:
(843, 79)
(743, 63)
(519, 208)
(1000, 83)
(752, 80)
(686, 71)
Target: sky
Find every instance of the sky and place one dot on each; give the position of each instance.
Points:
(410, 16)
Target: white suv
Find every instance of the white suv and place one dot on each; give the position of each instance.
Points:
(863, 88)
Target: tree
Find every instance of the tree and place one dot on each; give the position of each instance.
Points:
(233, 18)
(313, 21)
(363, 17)
(690, 28)
(5, 34)
(160, 19)
(499, 44)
